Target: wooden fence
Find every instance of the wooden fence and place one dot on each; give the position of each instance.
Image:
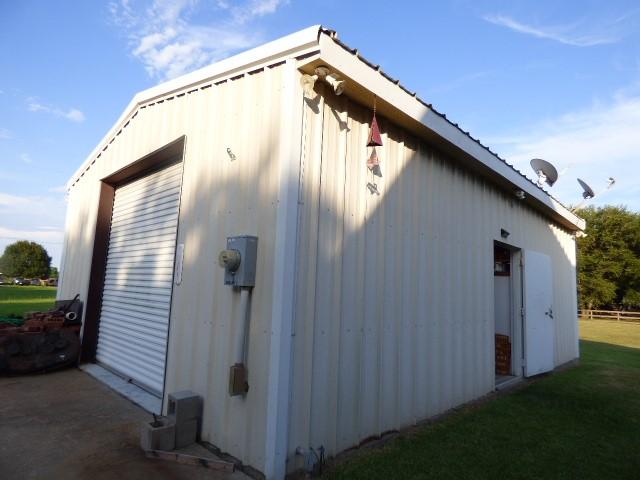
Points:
(609, 315)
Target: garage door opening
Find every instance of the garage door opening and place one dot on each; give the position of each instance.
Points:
(136, 300)
(129, 298)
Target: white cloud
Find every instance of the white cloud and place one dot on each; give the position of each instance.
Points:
(25, 158)
(255, 8)
(164, 36)
(58, 189)
(44, 235)
(35, 218)
(72, 114)
(5, 134)
(567, 34)
(593, 144)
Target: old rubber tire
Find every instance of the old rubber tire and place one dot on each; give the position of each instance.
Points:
(13, 348)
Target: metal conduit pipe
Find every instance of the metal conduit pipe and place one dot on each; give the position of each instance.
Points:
(238, 382)
(243, 323)
(239, 262)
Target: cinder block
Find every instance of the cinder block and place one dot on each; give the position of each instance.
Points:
(186, 433)
(158, 435)
(184, 406)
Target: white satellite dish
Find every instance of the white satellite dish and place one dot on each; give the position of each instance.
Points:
(546, 172)
(588, 193)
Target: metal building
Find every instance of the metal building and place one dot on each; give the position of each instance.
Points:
(379, 301)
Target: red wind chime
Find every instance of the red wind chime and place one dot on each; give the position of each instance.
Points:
(375, 140)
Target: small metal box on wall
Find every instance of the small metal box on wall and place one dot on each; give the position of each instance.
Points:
(242, 273)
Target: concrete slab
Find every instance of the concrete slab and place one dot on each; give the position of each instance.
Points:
(69, 425)
(137, 395)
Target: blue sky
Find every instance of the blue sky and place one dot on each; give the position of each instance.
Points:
(557, 80)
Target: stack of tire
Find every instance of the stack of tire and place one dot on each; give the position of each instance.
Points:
(46, 341)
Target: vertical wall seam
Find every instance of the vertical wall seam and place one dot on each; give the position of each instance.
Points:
(313, 320)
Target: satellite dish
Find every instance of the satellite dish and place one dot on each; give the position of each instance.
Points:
(546, 172)
(587, 190)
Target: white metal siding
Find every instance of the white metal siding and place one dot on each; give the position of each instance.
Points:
(136, 300)
(221, 196)
(365, 375)
(394, 307)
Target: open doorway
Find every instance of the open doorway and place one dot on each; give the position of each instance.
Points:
(507, 311)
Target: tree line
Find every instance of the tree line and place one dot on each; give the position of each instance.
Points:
(609, 259)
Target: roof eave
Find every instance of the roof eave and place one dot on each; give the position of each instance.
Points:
(444, 133)
(293, 45)
(436, 127)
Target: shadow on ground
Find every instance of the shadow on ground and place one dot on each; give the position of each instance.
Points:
(582, 422)
(68, 425)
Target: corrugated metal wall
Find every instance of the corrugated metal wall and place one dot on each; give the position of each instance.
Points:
(222, 195)
(394, 292)
(394, 307)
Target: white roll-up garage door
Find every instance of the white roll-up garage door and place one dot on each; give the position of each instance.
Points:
(136, 300)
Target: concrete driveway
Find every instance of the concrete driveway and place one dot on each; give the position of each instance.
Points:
(68, 425)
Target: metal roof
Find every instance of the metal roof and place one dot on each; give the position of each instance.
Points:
(575, 222)
(305, 44)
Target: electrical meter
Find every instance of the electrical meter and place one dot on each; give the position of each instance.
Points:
(239, 261)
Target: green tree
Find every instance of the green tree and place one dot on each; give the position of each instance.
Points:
(25, 259)
(54, 272)
(609, 258)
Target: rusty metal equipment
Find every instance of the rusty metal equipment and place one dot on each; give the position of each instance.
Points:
(46, 341)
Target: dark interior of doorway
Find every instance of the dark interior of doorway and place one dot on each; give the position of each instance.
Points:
(504, 333)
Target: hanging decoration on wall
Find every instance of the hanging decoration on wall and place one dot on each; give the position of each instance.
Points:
(375, 140)
(373, 159)
(373, 163)
(373, 189)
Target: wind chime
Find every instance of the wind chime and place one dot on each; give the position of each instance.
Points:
(375, 140)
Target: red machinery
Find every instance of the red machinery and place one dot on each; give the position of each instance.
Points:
(46, 341)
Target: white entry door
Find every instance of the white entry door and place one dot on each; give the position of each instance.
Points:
(134, 320)
(539, 328)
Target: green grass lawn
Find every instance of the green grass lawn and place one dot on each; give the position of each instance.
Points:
(16, 300)
(625, 334)
(581, 423)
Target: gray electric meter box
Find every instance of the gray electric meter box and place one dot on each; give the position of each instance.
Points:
(244, 273)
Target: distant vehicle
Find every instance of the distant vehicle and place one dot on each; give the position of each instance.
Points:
(20, 281)
(36, 282)
(52, 282)
(2, 280)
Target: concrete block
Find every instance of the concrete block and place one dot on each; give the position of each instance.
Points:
(186, 433)
(184, 406)
(158, 435)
